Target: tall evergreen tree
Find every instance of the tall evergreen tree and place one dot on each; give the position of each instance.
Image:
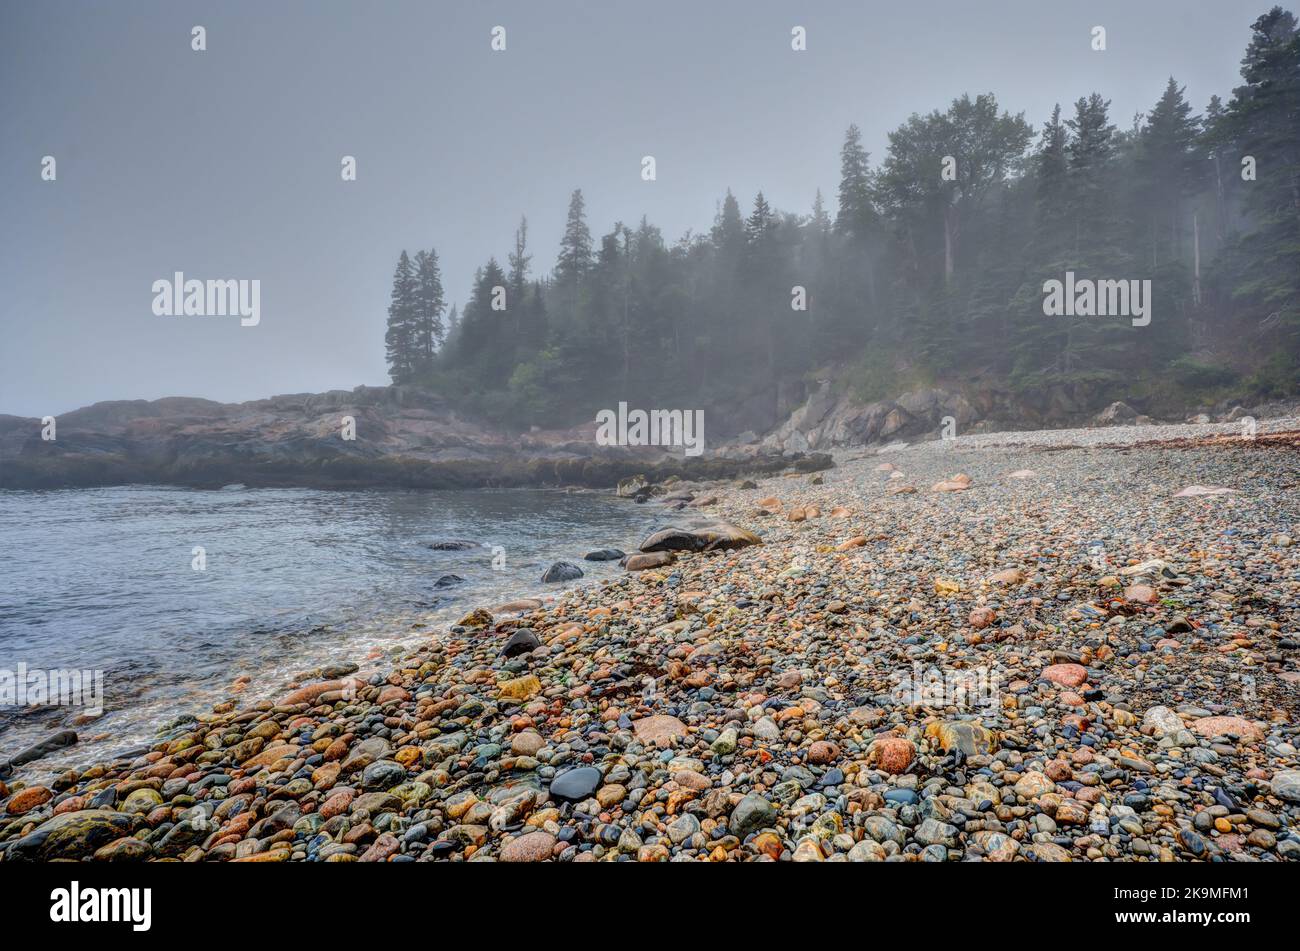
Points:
(1052, 167)
(1091, 148)
(728, 228)
(453, 326)
(575, 247)
(1170, 168)
(1264, 122)
(400, 338)
(483, 349)
(428, 330)
(820, 221)
(760, 220)
(856, 213)
(520, 261)
(1216, 146)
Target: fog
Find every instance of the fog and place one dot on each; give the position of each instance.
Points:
(225, 163)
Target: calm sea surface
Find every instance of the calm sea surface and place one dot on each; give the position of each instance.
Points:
(104, 580)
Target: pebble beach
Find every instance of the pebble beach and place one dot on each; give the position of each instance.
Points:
(1048, 647)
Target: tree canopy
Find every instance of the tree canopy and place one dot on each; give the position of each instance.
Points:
(931, 267)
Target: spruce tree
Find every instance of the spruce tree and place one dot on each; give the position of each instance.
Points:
(760, 220)
(820, 222)
(400, 338)
(520, 261)
(1051, 164)
(1264, 122)
(1090, 150)
(429, 332)
(1169, 168)
(575, 247)
(728, 228)
(856, 212)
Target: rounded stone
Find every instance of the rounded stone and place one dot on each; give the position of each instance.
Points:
(575, 785)
(532, 847)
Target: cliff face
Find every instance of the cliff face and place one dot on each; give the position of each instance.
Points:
(404, 437)
(828, 420)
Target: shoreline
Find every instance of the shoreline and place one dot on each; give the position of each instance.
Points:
(411, 590)
(770, 728)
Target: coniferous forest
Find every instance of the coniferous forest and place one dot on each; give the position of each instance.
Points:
(927, 264)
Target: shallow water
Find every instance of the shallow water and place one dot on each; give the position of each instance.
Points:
(104, 580)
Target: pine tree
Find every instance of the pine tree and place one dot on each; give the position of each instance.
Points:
(1263, 122)
(760, 220)
(483, 348)
(1090, 151)
(575, 247)
(520, 261)
(1215, 145)
(856, 212)
(1169, 168)
(400, 338)
(820, 222)
(429, 332)
(1051, 165)
(728, 228)
(453, 325)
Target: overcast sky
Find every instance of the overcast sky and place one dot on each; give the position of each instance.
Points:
(225, 163)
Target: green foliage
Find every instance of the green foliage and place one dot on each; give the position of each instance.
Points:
(400, 338)
(1278, 376)
(1193, 374)
(874, 377)
(934, 261)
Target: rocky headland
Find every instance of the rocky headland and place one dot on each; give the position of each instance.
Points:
(411, 438)
(404, 437)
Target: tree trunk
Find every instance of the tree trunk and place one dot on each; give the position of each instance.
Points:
(1221, 225)
(1196, 260)
(949, 239)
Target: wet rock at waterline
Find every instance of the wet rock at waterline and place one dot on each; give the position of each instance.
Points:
(562, 571)
(58, 741)
(451, 544)
(705, 536)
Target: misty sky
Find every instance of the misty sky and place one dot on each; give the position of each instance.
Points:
(225, 163)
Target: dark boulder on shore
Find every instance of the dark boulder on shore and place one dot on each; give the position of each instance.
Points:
(43, 748)
(654, 559)
(670, 539)
(73, 834)
(705, 536)
(604, 554)
(562, 571)
(522, 641)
